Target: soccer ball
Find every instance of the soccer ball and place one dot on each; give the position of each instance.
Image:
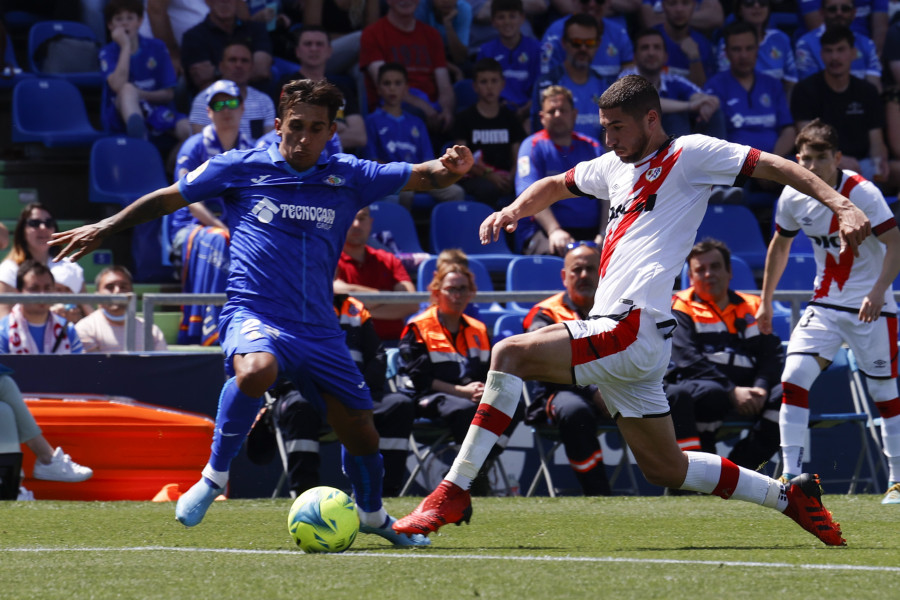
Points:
(323, 519)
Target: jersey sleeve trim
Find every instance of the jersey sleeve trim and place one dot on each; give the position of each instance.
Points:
(886, 226)
(571, 185)
(747, 168)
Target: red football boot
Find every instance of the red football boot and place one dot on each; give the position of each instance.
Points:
(448, 503)
(805, 507)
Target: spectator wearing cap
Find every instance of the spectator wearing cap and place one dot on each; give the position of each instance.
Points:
(225, 111)
(259, 111)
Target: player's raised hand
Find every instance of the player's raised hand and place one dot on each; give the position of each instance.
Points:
(495, 223)
(457, 160)
(855, 227)
(764, 318)
(79, 241)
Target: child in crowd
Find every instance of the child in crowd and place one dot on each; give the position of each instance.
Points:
(395, 135)
(493, 132)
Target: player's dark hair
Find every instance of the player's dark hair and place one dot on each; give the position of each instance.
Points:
(392, 66)
(585, 20)
(817, 135)
(708, 245)
(738, 28)
(31, 266)
(837, 34)
(635, 95)
(113, 269)
(307, 91)
(114, 7)
(486, 65)
(508, 6)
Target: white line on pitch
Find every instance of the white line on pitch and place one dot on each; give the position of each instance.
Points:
(419, 554)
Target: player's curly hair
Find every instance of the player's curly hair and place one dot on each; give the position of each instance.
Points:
(635, 95)
(307, 91)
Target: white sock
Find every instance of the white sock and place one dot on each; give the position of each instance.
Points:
(220, 478)
(792, 459)
(372, 519)
(890, 436)
(498, 404)
(712, 474)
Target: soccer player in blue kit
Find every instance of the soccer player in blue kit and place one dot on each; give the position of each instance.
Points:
(289, 211)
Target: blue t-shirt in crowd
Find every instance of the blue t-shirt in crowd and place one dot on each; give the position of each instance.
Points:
(287, 227)
(404, 138)
(775, 57)
(679, 63)
(521, 68)
(809, 56)
(585, 96)
(616, 48)
(753, 118)
(864, 9)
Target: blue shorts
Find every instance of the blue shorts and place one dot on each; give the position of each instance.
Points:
(314, 357)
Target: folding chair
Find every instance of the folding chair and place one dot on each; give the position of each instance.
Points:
(547, 441)
(862, 405)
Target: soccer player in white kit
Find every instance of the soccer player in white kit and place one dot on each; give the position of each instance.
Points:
(852, 301)
(658, 189)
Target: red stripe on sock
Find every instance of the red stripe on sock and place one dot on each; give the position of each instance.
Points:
(728, 480)
(492, 419)
(794, 395)
(889, 408)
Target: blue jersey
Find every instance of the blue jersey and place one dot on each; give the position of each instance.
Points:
(864, 9)
(521, 68)
(539, 157)
(616, 48)
(287, 227)
(195, 151)
(584, 95)
(404, 138)
(752, 118)
(809, 56)
(679, 63)
(149, 69)
(775, 57)
(671, 86)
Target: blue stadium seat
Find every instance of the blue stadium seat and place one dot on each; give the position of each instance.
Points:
(50, 112)
(10, 58)
(507, 325)
(741, 276)
(42, 31)
(122, 169)
(394, 218)
(799, 273)
(737, 226)
(533, 273)
(455, 225)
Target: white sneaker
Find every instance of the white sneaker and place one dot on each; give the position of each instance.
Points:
(25, 494)
(61, 468)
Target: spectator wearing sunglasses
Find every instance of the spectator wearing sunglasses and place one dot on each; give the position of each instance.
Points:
(838, 13)
(30, 237)
(259, 110)
(581, 38)
(871, 19)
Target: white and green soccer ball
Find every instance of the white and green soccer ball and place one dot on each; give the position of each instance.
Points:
(323, 519)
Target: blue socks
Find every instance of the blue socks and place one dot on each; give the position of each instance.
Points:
(366, 474)
(234, 419)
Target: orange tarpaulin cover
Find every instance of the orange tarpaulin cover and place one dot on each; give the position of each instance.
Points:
(134, 448)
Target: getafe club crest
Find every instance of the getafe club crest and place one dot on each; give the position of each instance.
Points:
(653, 173)
(335, 180)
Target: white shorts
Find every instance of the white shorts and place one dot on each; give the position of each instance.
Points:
(821, 331)
(626, 359)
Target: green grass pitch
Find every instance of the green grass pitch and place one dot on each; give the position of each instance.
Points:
(523, 548)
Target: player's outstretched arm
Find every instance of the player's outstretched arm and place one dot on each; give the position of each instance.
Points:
(441, 172)
(871, 306)
(536, 197)
(82, 240)
(776, 261)
(854, 224)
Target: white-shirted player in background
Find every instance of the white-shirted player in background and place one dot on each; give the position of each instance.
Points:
(852, 302)
(658, 188)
